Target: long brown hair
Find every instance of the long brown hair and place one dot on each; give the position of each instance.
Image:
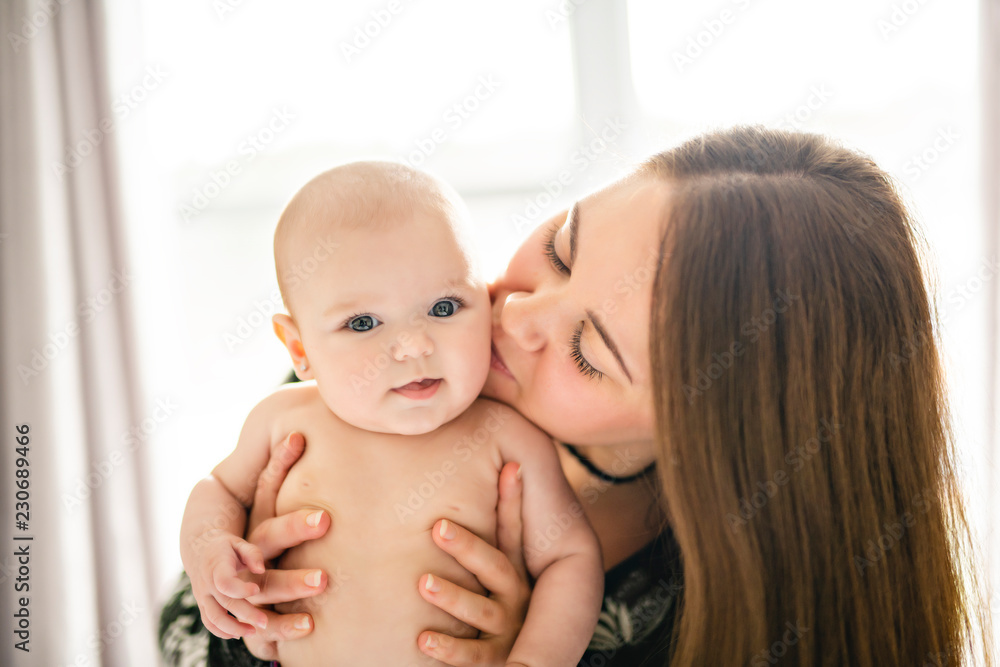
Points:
(807, 465)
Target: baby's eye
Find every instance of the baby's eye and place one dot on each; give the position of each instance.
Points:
(363, 323)
(444, 308)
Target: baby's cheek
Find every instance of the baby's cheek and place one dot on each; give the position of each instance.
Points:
(471, 363)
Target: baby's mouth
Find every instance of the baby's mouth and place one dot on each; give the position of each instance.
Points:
(419, 389)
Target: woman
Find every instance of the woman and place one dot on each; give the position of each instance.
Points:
(746, 313)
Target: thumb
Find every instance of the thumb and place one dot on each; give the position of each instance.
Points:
(510, 538)
(269, 482)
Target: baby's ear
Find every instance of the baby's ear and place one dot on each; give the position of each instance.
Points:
(288, 334)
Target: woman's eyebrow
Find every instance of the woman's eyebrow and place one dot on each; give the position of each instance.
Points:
(610, 343)
(574, 230)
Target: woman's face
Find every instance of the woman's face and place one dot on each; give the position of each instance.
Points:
(571, 318)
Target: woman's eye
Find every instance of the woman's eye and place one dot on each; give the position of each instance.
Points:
(362, 323)
(549, 245)
(444, 308)
(577, 354)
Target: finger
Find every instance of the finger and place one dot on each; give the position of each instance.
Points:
(480, 612)
(459, 652)
(251, 556)
(261, 648)
(278, 586)
(283, 532)
(211, 627)
(269, 482)
(282, 627)
(281, 461)
(227, 581)
(223, 621)
(509, 526)
(245, 612)
(490, 565)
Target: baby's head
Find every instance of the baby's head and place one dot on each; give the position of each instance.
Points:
(388, 310)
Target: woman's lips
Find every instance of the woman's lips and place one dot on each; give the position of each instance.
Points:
(496, 361)
(419, 389)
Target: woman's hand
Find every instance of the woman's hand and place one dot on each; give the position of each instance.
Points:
(273, 535)
(502, 572)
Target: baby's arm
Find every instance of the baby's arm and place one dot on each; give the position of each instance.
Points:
(212, 548)
(561, 552)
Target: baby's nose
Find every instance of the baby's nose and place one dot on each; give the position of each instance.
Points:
(412, 344)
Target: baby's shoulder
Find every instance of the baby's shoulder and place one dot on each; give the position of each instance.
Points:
(504, 423)
(492, 414)
(289, 400)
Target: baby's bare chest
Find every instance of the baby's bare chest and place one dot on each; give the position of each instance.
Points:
(380, 487)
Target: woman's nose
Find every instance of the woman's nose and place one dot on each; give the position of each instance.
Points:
(411, 345)
(523, 318)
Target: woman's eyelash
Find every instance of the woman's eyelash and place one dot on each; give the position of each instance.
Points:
(577, 355)
(550, 250)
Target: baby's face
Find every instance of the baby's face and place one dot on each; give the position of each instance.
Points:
(396, 326)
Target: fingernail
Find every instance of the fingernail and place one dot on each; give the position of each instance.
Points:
(302, 623)
(314, 518)
(431, 642)
(262, 624)
(432, 584)
(446, 531)
(518, 472)
(313, 578)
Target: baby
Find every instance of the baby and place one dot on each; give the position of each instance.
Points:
(389, 328)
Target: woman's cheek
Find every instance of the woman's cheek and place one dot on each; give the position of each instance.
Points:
(559, 390)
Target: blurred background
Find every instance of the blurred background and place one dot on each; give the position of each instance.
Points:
(148, 148)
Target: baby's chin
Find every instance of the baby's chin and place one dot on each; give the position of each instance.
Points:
(413, 421)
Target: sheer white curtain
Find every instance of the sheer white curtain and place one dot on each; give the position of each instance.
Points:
(990, 37)
(66, 354)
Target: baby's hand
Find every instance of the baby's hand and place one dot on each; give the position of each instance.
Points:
(220, 591)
